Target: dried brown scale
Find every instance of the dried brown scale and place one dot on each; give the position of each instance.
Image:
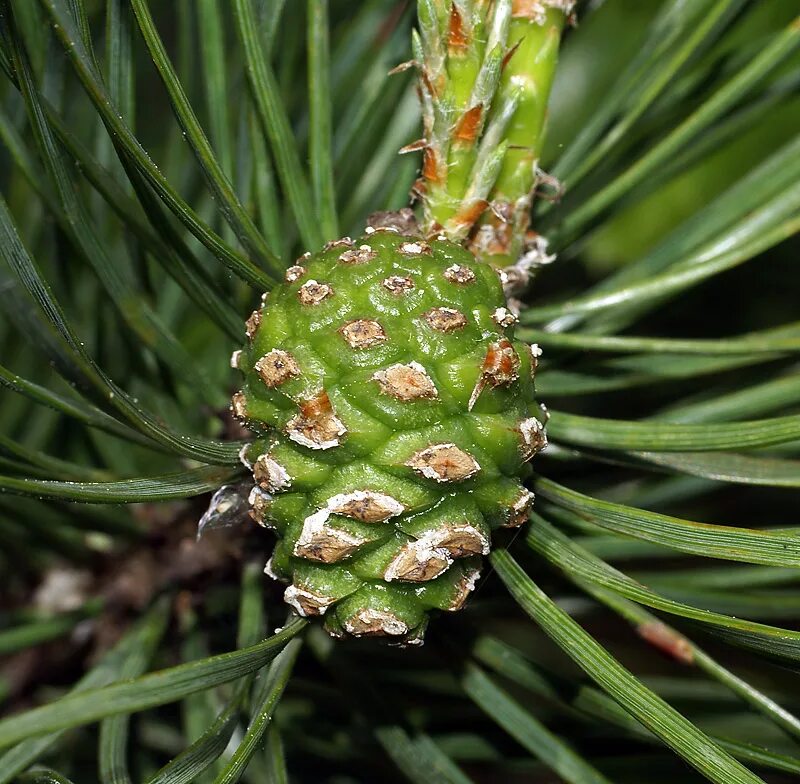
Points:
(316, 426)
(327, 545)
(457, 36)
(312, 292)
(445, 319)
(500, 368)
(239, 405)
(428, 82)
(533, 437)
(509, 54)
(361, 255)
(413, 565)
(503, 317)
(520, 510)
(465, 588)
(491, 240)
(398, 285)
(366, 506)
(466, 130)
(252, 323)
(270, 474)
(293, 273)
(307, 602)
(260, 503)
(534, 352)
(501, 365)
(344, 242)
(403, 67)
(415, 146)
(468, 215)
(417, 191)
(406, 382)
(461, 540)
(277, 367)
(375, 623)
(430, 167)
(444, 463)
(362, 333)
(458, 274)
(416, 248)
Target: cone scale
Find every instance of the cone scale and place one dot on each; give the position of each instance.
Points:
(394, 416)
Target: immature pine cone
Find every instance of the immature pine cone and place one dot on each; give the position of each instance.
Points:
(395, 415)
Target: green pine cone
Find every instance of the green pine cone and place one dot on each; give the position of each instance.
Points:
(395, 414)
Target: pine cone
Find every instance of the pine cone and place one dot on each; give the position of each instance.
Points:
(395, 416)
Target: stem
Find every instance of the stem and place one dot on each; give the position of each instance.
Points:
(485, 75)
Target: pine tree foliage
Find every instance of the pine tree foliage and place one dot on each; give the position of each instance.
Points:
(163, 164)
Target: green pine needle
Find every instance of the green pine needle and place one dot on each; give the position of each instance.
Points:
(162, 164)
